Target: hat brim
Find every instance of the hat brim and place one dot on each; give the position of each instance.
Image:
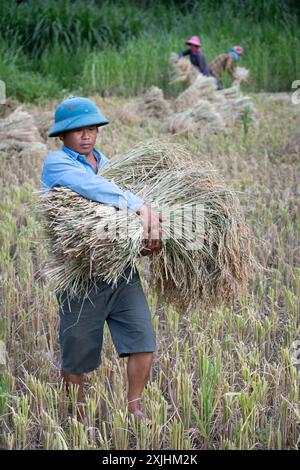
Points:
(76, 123)
(193, 44)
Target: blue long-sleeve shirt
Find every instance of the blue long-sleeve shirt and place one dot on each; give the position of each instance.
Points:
(71, 170)
(198, 60)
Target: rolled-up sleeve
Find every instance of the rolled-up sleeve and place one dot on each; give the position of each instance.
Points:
(65, 173)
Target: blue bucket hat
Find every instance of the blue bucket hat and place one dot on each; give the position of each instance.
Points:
(75, 112)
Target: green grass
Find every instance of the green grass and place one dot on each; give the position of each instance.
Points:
(21, 81)
(116, 47)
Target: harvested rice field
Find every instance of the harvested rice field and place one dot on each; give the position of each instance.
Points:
(225, 377)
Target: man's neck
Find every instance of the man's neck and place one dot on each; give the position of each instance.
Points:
(92, 160)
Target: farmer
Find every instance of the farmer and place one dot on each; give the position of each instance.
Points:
(225, 62)
(76, 166)
(197, 57)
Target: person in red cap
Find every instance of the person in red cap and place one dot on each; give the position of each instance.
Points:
(197, 57)
(225, 62)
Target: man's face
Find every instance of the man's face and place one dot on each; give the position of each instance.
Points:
(81, 140)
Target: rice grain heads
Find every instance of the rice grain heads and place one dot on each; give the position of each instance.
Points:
(205, 259)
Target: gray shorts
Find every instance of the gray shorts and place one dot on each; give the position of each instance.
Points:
(126, 311)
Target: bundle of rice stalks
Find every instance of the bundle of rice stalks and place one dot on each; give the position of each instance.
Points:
(19, 125)
(149, 105)
(143, 163)
(20, 137)
(290, 153)
(231, 92)
(234, 109)
(43, 121)
(205, 257)
(215, 272)
(8, 107)
(242, 74)
(13, 147)
(217, 98)
(202, 88)
(183, 69)
(202, 117)
(88, 240)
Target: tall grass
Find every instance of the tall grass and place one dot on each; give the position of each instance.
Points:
(121, 47)
(22, 82)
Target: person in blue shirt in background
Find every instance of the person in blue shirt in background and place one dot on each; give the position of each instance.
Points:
(76, 166)
(197, 57)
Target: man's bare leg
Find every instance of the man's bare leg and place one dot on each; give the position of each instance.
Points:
(138, 371)
(76, 379)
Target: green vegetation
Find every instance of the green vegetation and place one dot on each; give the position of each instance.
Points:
(51, 48)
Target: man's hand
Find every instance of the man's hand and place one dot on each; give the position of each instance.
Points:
(151, 221)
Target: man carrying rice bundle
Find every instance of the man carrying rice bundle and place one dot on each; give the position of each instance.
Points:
(124, 307)
(227, 62)
(197, 57)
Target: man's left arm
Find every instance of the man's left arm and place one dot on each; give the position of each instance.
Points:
(230, 67)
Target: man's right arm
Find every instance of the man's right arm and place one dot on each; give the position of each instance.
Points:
(63, 172)
(184, 53)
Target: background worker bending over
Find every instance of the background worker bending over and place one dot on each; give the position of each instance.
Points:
(225, 62)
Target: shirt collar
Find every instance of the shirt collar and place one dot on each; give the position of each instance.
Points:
(234, 54)
(76, 155)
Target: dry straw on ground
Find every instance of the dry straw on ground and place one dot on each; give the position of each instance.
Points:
(210, 114)
(20, 136)
(150, 105)
(8, 107)
(43, 121)
(290, 152)
(202, 88)
(198, 119)
(186, 272)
